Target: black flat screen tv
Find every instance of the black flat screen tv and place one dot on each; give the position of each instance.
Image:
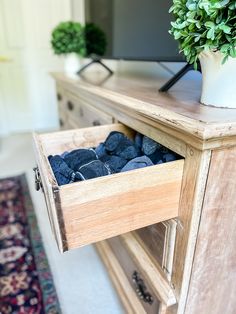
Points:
(135, 29)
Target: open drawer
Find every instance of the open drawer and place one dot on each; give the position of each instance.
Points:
(89, 211)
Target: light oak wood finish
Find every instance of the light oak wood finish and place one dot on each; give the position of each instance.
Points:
(213, 280)
(132, 119)
(75, 113)
(153, 239)
(131, 268)
(100, 208)
(158, 241)
(203, 269)
(160, 285)
(125, 291)
(178, 109)
(50, 190)
(83, 114)
(192, 193)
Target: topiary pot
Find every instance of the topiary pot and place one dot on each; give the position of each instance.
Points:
(72, 63)
(218, 80)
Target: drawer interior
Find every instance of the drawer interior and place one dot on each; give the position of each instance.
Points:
(93, 210)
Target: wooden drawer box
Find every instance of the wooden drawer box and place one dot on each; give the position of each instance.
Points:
(148, 283)
(89, 211)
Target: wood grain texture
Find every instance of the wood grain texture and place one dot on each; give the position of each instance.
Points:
(158, 241)
(145, 125)
(151, 271)
(83, 114)
(104, 207)
(153, 239)
(213, 280)
(192, 193)
(125, 291)
(129, 266)
(49, 185)
(59, 142)
(179, 122)
(179, 108)
(97, 209)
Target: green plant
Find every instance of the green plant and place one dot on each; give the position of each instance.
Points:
(204, 25)
(68, 37)
(95, 40)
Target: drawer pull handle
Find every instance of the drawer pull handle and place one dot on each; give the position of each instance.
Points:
(70, 105)
(38, 182)
(96, 122)
(141, 289)
(59, 97)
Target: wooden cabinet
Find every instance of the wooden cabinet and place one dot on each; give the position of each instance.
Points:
(169, 233)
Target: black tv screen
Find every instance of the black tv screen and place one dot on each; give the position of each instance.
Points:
(134, 29)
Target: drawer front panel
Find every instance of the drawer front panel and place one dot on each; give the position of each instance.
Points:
(101, 208)
(63, 120)
(159, 241)
(141, 285)
(154, 239)
(62, 112)
(61, 99)
(125, 291)
(83, 114)
(76, 113)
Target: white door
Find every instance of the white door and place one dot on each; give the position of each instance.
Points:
(27, 93)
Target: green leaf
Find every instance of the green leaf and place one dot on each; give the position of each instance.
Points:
(226, 29)
(209, 24)
(205, 25)
(211, 33)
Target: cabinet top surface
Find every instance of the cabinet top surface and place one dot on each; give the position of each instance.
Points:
(178, 108)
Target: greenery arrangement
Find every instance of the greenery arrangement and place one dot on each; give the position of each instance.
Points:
(95, 40)
(208, 25)
(68, 37)
(86, 40)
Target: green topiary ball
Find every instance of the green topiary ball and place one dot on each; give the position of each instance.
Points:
(208, 25)
(68, 37)
(95, 40)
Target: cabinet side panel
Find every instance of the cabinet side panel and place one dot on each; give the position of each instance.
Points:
(213, 280)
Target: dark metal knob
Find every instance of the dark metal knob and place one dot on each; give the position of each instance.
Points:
(59, 97)
(61, 122)
(70, 105)
(96, 122)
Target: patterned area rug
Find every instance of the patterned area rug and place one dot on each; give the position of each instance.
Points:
(26, 285)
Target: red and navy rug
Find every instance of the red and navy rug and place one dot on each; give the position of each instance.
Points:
(26, 284)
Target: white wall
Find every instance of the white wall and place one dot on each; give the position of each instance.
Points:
(27, 93)
(77, 10)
